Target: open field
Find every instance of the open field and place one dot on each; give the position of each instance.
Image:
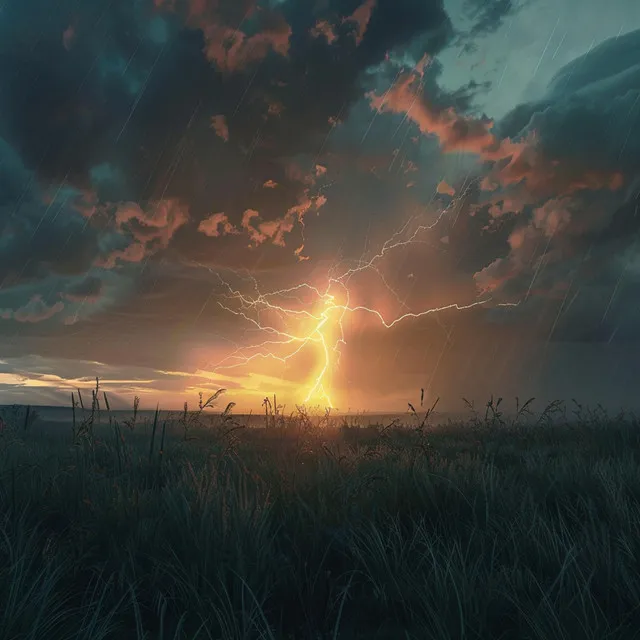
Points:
(310, 528)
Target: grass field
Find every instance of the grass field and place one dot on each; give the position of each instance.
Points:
(309, 528)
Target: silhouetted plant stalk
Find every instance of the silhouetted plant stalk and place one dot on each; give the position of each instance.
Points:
(492, 413)
(188, 419)
(27, 415)
(83, 432)
(153, 432)
(131, 422)
(523, 410)
(552, 411)
(422, 445)
(273, 412)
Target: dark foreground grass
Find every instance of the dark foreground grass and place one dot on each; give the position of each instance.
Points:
(480, 530)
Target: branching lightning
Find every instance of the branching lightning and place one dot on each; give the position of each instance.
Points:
(319, 323)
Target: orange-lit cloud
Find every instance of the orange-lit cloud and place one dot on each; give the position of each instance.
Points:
(215, 225)
(135, 252)
(157, 223)
(274, 108)
(261, 231)
(359, 21)
(273, 230)
(299, 255)
(219, 125)
(256, 236)
(546, 176)
(228, 47)
(150, 229)
(445, 189)
(360, 18)
(455, 132)
(326, 29)
(232, 50)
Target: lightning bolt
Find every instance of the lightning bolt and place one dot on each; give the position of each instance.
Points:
(319, 323)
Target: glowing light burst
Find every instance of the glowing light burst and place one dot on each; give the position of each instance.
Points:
(322, 328)
(319, 322)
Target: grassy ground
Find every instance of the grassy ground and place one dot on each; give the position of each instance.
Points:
(307, 529)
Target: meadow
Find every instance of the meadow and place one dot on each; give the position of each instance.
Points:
(524, 526)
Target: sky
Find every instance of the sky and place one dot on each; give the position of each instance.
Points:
(341, 202)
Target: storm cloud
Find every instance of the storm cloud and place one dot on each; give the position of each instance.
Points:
(147, 147)
(580, 227)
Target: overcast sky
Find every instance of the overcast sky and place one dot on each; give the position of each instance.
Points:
(531, 45)
(336, 201)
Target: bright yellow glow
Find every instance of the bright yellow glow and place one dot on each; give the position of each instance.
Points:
(325, 332)
(295, 326)
(319, 330)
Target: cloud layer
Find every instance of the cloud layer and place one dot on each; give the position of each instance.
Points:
(145, 147)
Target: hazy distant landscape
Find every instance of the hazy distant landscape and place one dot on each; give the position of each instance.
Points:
(64, 415)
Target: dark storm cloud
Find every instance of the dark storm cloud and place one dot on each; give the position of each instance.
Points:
(558, 183)
(460, 99)
(487, 17)
(590, 110)
(120, 97)
(124, 126)
(579, 243)
(64, 94)
(475, 236)
(41, 231)
(90, 287)
(34, 311)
